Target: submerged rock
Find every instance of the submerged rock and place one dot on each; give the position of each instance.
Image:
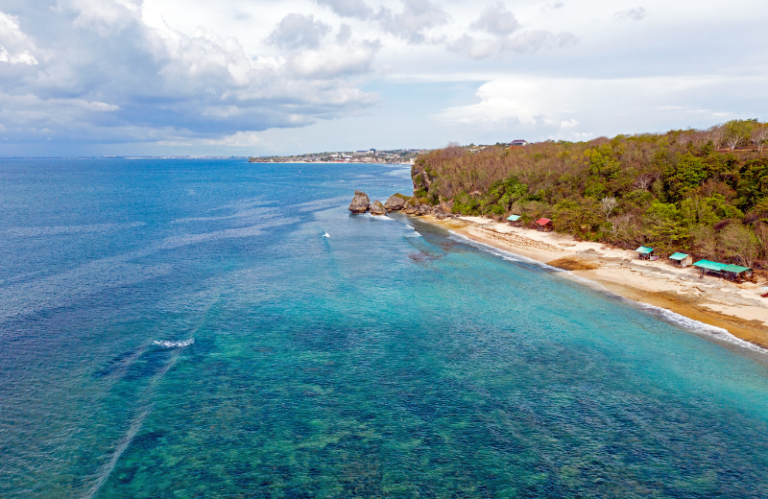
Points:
(376, 208)
(359, 203)
(395, 202)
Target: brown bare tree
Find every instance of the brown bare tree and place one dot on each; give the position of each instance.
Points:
(760, 137)
(716, 135)
(738, 240)
(608, 204)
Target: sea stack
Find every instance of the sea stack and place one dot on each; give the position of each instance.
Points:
(359, 203)
(395, 202)
(376, 208)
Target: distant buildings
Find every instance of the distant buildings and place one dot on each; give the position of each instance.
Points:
(519, 143)
(395, 156)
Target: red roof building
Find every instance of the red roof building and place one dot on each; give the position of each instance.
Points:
(544, 224)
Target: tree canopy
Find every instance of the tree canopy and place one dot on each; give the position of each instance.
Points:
(703, 192)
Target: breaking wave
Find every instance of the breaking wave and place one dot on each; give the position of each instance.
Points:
(503, 254)
(714, 332)
(692, 324)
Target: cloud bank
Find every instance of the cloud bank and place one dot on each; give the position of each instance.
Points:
(76, 75)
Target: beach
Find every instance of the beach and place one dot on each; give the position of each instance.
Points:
(737, 308)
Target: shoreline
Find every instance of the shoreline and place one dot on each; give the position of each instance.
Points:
(737, 309)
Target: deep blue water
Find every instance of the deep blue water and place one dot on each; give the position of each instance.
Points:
(182, 328)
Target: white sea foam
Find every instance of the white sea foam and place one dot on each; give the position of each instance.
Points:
(173, 344)
(715, 332)
(383, 218)
(709, 330)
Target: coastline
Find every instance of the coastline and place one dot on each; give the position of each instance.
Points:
(735, 308)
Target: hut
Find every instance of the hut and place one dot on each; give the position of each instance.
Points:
(736, 272)
(514, 220)
(681, 260)
(710, 267)
(645, 253)
(544, 224)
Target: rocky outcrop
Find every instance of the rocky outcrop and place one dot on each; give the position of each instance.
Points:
(359, 203)
(376, 208)
(395, 202)
(423, 209)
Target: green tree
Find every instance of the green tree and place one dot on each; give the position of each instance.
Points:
(685, 176)
(738, 132)
(601, 162)
(753, 184)
(664, 227)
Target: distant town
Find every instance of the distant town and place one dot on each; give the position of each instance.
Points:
(393, 156)
(396, 156)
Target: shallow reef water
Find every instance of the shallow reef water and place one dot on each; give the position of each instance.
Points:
(213, 328)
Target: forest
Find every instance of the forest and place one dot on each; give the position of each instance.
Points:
(703, 192)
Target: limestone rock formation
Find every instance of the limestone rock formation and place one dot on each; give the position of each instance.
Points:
(423, 209)
(359, 203)
(395, 202)
(376, 208)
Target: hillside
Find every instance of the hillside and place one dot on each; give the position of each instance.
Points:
(704, 192)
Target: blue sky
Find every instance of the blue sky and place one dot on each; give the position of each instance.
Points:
(179, 77)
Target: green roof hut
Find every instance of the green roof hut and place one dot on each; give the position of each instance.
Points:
(645, 253)
(732, 272)
(710, 267)
(736, 272)
(514, 220)
(681, 260)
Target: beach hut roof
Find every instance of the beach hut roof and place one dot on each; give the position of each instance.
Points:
(736, 269)
(543, 221)
(513, 218)
(706, 264)
(678, 256)
(644, 250)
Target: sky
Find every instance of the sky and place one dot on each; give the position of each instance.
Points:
(264, 77)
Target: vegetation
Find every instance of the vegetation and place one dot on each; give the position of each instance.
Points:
(704, 192)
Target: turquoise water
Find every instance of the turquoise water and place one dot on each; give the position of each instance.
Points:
(184, 328)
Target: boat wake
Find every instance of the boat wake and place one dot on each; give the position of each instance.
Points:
(173, 344)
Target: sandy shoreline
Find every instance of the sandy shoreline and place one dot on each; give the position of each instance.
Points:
(737, 308)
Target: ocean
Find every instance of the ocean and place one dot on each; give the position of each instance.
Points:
(219, 329)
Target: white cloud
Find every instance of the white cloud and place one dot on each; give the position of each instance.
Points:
(106, 16)
(15, 46)
(417, 17)
(151, 82)
(299, 31)
(524, 42)
(636, 14)
(349, 8)
(554, 104)
(190, 72)
(335, 60)
(497, 20)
